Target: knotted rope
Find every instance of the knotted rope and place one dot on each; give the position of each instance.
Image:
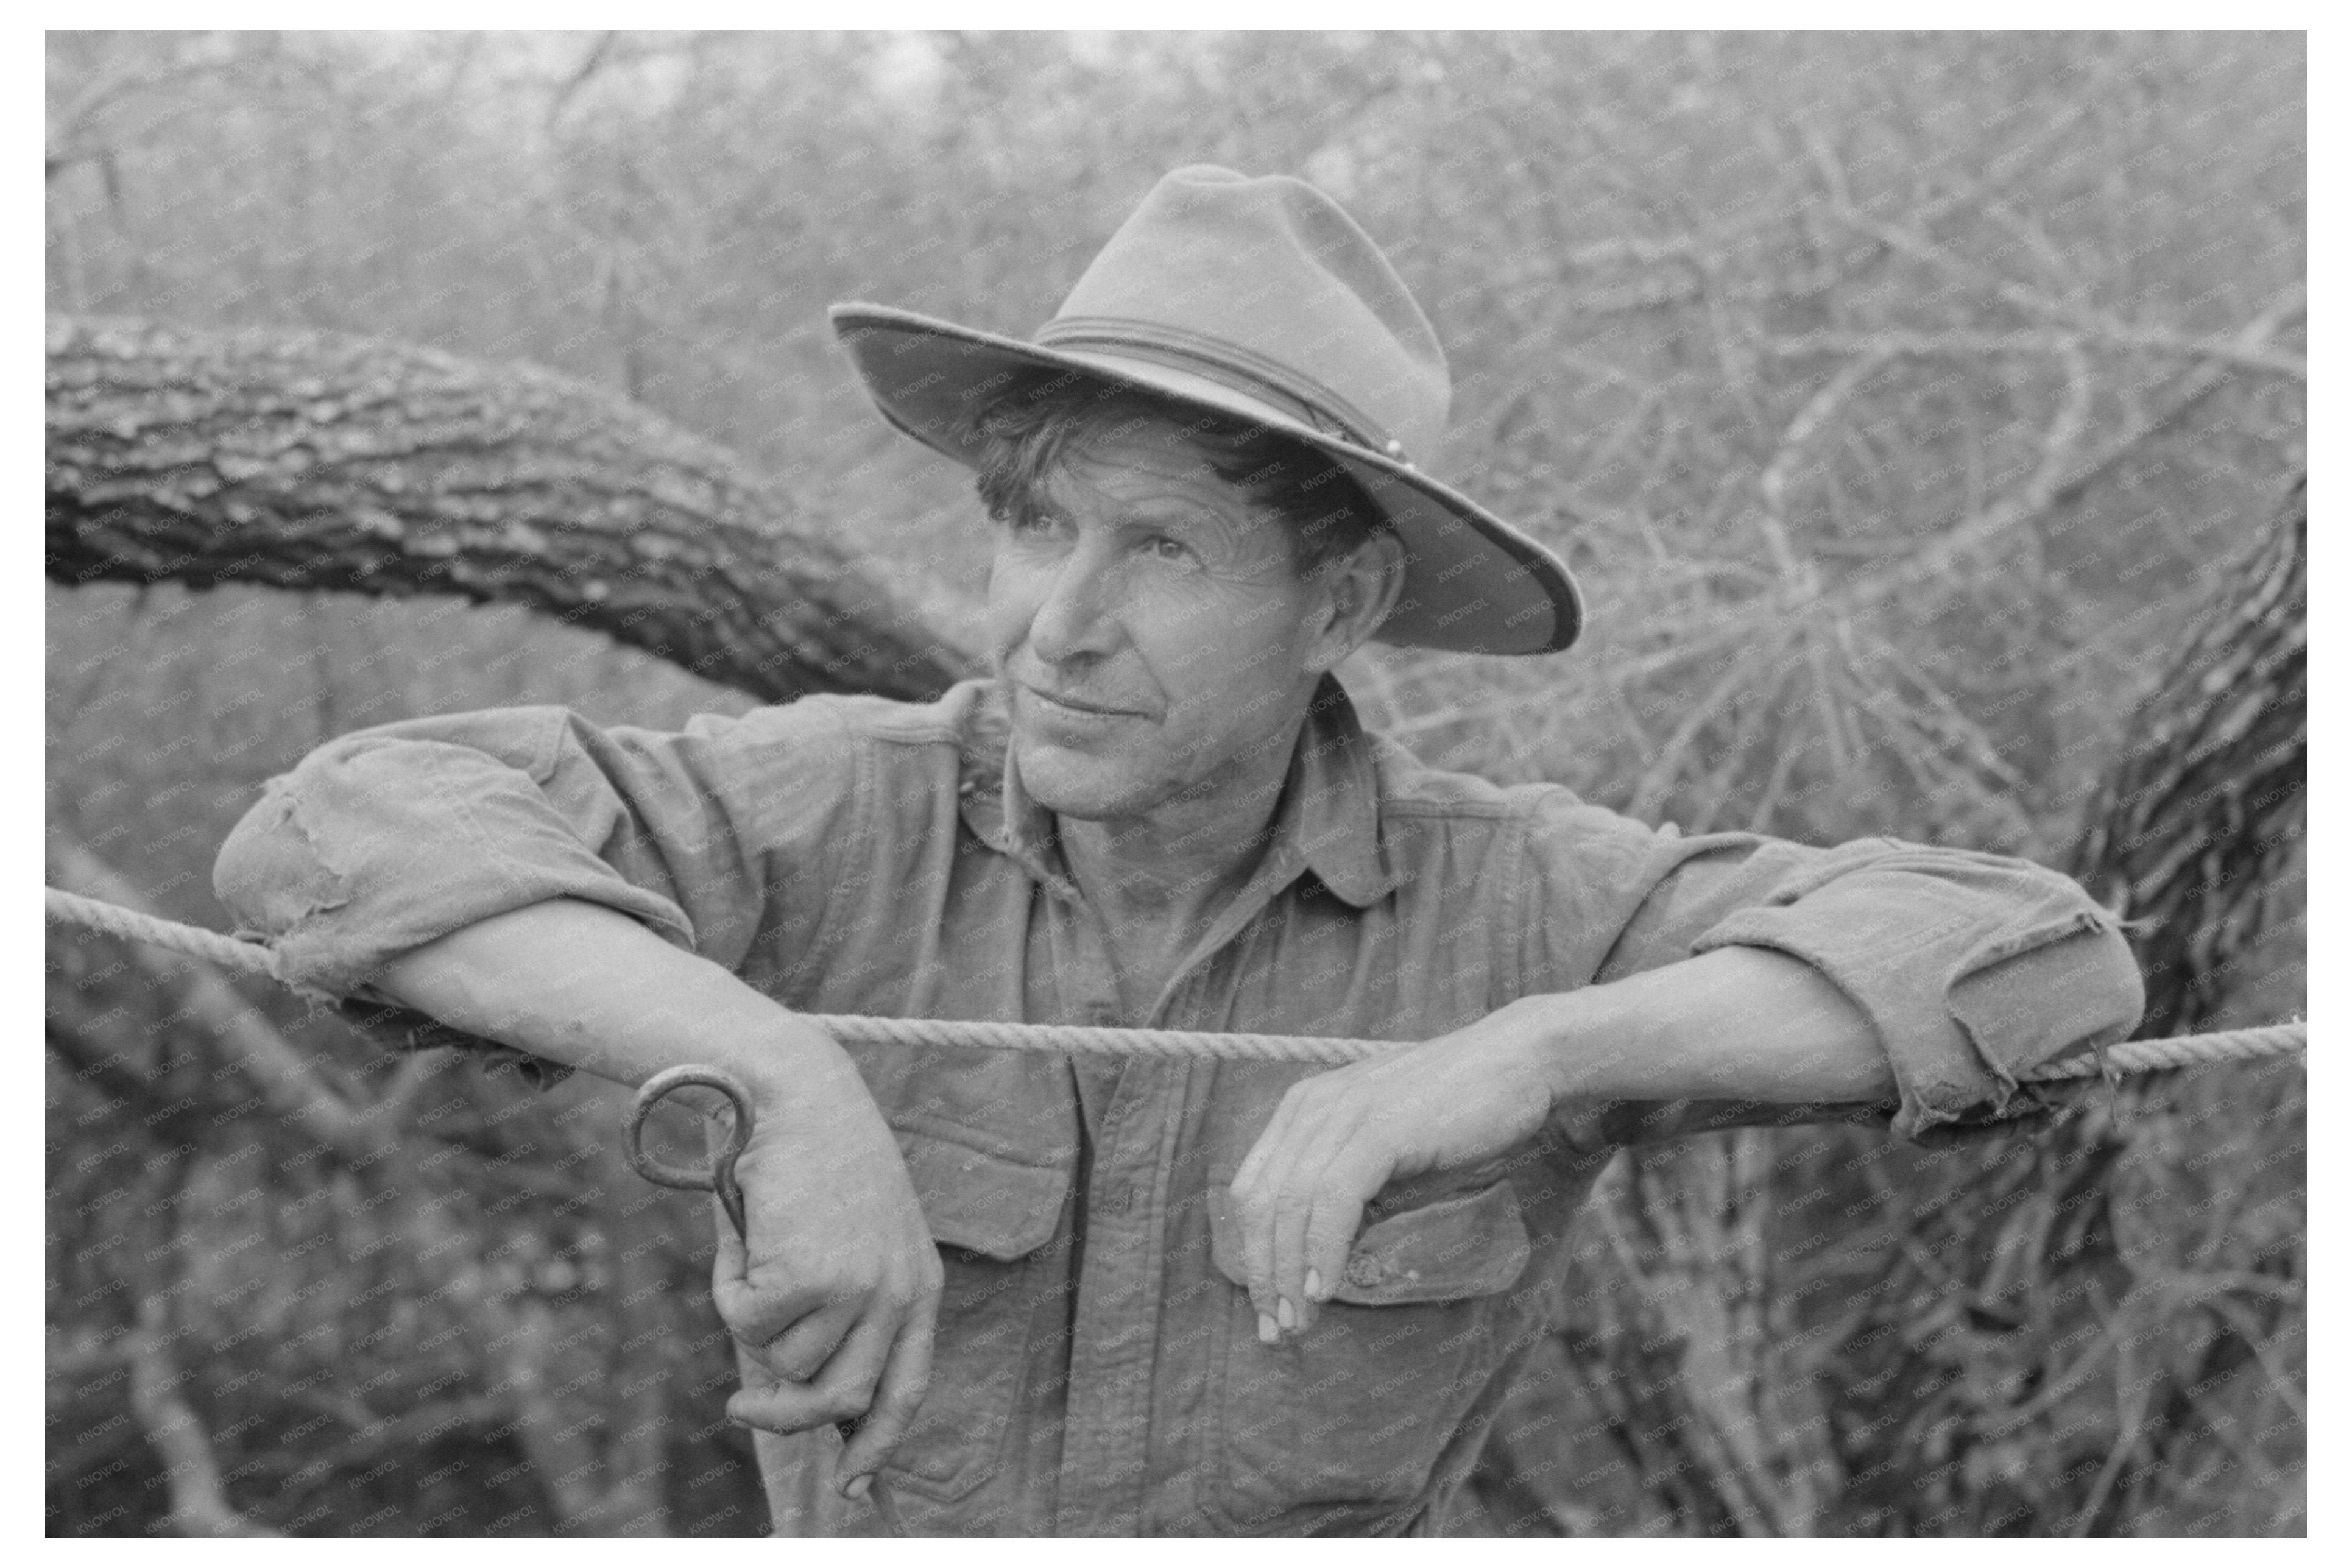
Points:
(254, 958)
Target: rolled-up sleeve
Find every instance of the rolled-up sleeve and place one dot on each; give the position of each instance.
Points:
(1972, 969)
(385, 840)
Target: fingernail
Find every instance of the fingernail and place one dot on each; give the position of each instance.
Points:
(1284, 1315)
(1314, 1286)
(1266, 1331)
(857, 1486)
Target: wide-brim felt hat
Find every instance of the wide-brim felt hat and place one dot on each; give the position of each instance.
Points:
(1262, 300)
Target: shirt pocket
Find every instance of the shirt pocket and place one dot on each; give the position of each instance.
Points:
(1349, 1417)
(992, 1218)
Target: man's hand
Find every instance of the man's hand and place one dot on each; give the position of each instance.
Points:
(1340, 1136)
(838, 1289)
(1739, 1023)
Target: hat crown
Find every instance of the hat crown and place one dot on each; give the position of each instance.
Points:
(1267, 285)
(1261, 300)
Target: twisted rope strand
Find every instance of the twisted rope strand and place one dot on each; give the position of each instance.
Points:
(254, 958)
(96, 914)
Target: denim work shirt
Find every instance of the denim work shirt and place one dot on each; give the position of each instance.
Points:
(1097, 1369)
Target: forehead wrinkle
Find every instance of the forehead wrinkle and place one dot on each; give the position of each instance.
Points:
(1188, 490)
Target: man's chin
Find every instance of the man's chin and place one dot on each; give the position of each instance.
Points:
(1075, 784)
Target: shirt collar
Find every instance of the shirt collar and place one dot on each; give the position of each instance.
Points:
(1330, 808)
(1329, 819)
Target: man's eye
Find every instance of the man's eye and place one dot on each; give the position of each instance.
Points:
(1159, 547)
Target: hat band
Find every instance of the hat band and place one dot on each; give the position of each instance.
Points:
(1303, 398)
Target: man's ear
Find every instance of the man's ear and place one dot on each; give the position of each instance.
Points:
(1359, 590)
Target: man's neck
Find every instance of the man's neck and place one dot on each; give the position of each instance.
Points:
(1159, 881)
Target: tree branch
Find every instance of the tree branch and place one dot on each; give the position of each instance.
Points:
(318, 461)
(200, 1505)
(1878, 347)
(274, 1067)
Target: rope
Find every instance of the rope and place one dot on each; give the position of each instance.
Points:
(2181, 1051)
(253, 958)
(96, 914)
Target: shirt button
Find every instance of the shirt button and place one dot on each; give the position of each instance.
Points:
(1103, 1014)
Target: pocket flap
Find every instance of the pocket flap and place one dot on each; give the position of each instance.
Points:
(983, 1203)
(1474, 1245)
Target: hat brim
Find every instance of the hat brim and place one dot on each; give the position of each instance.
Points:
(1472, 582)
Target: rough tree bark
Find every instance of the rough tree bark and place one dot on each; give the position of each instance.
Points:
(317, 461)
(2202, 812)
(312, 461)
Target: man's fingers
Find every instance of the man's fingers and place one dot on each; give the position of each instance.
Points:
(1333, 1179)
(731, 1256)
(1308, 1152)
(790, 1328)
(1270, 1142)
(1331, 1235)
(1291, 1212)
(1330, 1168)
(855, 1370)
(843, 1394)
(1254, 1210)
(786, 1407)
(905, 1376)
(801, 1352)
(1269, 1195)
(756, 1313)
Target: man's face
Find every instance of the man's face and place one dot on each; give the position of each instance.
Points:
(1150, 630)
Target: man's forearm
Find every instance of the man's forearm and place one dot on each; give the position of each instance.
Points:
(582, 985)
(1739, 1023)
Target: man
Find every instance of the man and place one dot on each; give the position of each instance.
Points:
(1152, 1296)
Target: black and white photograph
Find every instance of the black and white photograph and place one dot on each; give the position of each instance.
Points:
(1034, 783)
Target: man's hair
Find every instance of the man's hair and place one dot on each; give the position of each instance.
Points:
(1043, 417)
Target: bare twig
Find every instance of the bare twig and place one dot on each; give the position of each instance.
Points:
(410, 1429)
(2263, 1346)
(1890, 344)
(2040, 497)
(1774, 482)
(1914, 240)
(1665, 770)
(200, 1505)
(293, 1088)
(1761, 707)
(598, 54)
(2028, 504)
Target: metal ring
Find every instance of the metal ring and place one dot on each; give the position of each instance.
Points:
(720, 1177)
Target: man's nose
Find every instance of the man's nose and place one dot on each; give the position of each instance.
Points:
(1078, 615)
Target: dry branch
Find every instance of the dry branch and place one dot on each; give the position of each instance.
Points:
(200, 1505)
(293, 1088)
(1895, 343)
(2046, 494)
(317, 461)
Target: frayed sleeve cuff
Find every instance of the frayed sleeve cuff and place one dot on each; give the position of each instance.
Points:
(1966, 994)
(372, 850)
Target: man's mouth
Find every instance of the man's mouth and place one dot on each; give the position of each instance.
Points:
(1055, 704)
